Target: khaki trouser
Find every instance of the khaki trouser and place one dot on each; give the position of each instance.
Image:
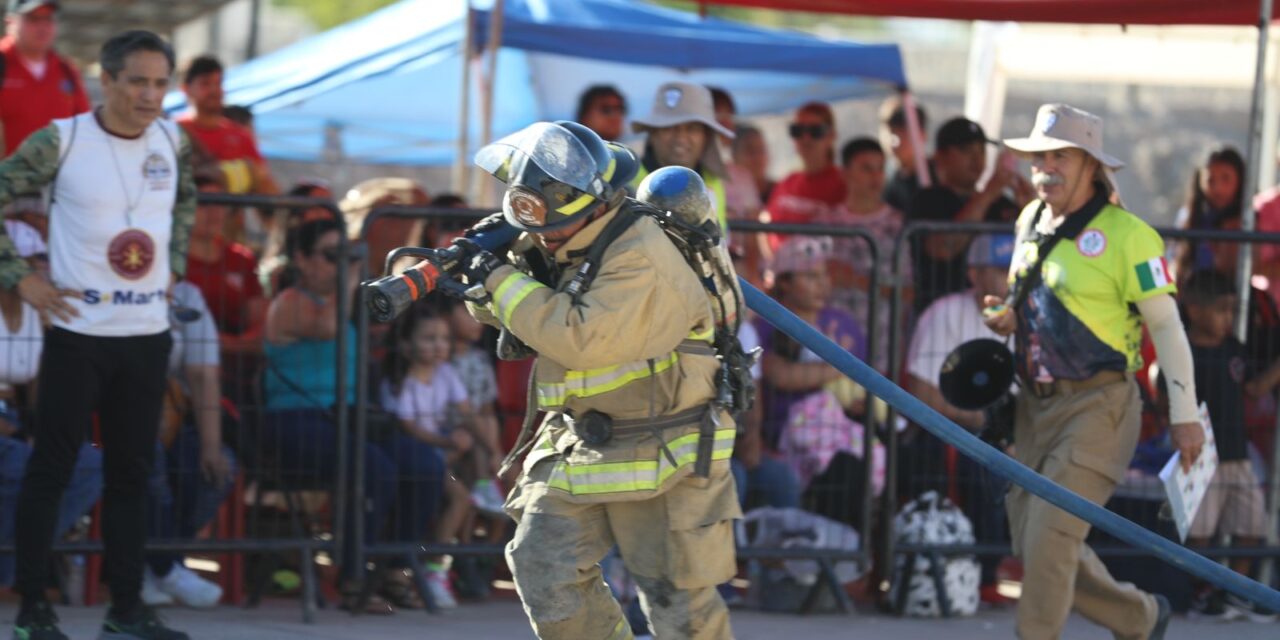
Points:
(1082, 439)
(678, 546)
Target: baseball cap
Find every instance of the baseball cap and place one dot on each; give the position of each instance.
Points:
(991, 250)
(27, 6)
(958, 132)
(25, 238)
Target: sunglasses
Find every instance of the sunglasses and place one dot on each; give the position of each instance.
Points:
(330, 254)
(798, 131)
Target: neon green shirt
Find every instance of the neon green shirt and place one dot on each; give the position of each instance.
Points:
(1081, 318)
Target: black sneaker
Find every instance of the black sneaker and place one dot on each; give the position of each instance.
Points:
(37, 622)
(140, 624)
(1248, 609)
(1211, 604)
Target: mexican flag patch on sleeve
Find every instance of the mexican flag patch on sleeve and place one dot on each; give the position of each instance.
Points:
(1153, 274)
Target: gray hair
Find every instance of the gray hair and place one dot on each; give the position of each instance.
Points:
(122, 45)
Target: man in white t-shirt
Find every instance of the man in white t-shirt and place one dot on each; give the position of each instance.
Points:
(947, 323)
(122, 200)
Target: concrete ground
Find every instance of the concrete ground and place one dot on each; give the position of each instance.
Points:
(280, 619)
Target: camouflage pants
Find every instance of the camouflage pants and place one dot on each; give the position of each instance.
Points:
(678, 546)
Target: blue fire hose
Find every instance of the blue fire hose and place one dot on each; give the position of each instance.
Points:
(968, 444)
(389, 297)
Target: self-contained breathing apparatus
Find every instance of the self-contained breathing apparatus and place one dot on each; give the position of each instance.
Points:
(677, 199)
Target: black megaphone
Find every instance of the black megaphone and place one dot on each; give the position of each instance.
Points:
(976, 374)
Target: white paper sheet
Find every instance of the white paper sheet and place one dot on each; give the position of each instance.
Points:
(1186, 489)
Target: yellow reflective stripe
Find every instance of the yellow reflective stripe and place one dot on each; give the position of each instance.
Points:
(705, 335)
(576, 205)
(621, 631)
(613, 164)
(593, 382)
(637, 475)
(513, 290)
(550, 395)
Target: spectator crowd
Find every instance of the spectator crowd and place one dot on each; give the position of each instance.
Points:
(252, 391)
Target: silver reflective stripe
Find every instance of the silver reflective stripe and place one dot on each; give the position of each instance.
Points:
(593, 382)
(637, 475)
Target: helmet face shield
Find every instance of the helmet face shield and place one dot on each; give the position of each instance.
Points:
(550, 148)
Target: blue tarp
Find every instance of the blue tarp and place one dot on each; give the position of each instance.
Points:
(386, 88)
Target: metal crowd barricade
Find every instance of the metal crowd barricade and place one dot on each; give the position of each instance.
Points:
(1127, 493)
(826, 559)
(902, 249)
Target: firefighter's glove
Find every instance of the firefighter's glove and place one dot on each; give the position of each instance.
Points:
(478, 265)
(486, 224)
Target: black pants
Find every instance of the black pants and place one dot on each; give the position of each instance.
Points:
(123, 380)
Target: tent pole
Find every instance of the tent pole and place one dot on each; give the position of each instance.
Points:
(479, 194)
(1253, 162)
(255, 20)
(917, 139)
(464, 106)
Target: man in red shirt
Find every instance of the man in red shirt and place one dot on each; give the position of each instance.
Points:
(232, 145)
(819, 186)
(224, 271)
(39, 85)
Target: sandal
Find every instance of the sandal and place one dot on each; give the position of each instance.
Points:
(399, 590)
(357, 599)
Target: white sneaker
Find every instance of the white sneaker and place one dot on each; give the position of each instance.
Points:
(190, 589)
(486, 497)
(1249, 610)
(151, 594)
(438, 582)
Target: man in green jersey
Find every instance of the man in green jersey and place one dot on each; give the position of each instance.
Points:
(1086, 276)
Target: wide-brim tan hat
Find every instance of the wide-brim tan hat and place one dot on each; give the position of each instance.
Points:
(677, 103)
(1062, 126)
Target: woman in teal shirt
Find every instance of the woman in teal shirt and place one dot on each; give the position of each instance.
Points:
(301, 377)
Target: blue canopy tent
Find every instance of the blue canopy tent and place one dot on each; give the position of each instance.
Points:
(387, 88)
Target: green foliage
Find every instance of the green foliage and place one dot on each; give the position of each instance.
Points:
(331, 13)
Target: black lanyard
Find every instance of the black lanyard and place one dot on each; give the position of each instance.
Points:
(1045, 243)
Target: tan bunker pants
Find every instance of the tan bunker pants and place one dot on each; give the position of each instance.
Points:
(678, 546)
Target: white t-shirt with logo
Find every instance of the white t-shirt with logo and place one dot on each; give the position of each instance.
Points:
(948, 323)
(109, 225)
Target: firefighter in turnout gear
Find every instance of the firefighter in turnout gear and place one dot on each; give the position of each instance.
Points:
(634, 450)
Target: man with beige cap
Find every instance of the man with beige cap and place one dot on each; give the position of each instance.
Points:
(1086, 275)
(683, 130)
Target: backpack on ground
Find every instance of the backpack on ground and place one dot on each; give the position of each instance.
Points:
(930, 584)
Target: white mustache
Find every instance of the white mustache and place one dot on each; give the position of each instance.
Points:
(1046, 180)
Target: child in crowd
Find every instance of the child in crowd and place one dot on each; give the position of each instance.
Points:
(421, 388)
(862, 167)
(1233, 505)
(425, 392)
